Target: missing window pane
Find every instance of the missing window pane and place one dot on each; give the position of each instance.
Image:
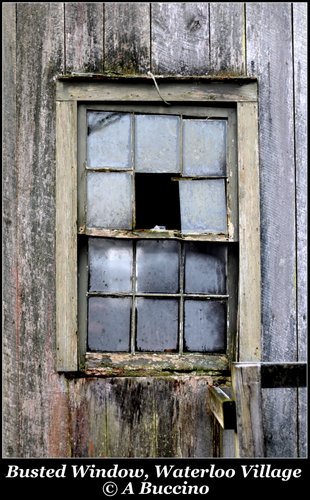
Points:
(157, 201)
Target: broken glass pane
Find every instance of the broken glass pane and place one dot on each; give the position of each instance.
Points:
(204, 326)
(109, 324)
(108, 140)
(204, 147)
(203, 206)
(110, 265)
(157, 143)
(157, 201)
(205, 268)
(109, 200)
(158, 266)
(157, 325)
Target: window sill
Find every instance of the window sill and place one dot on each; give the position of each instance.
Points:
(153, 234)
(155, 364)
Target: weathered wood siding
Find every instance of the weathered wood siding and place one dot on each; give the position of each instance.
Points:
(47, 414)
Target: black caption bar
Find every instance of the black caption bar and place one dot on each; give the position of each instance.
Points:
(150, 478)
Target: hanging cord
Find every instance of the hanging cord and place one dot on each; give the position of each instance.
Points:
(156, 86)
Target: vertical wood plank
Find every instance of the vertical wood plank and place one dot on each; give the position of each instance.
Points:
(269, 57)
(300, 94)
(88, 417)
(302, 422)
(227, 42)
(183, 425)
(40, 55)
(10, 264)
(127, 37)
(84, 37)
(66, 236)
(280, 422)
(247, 389)
(249, 234)
(180, 38)
(301, 153)
(131, 425)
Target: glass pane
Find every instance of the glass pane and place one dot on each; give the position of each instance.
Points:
(204, 147)
(109, 324)
(157, 325)
(205, 326)
(203, 206)
(205, 268)
(157, 143)
(109, 200)
(158, 266)
(110, 265)
(108, 140)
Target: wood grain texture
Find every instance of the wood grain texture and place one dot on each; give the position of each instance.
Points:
(249, 234)
(140, 417)
(120, 90)
(42, 424)
(269, 56)
(84, 37)
(280, 422)
(10, 258)
(180, 38)
(227, 47)
(303, 422)
(247, 390)
(300, 94)
(127, 37)
(66, 237)
(143, 364)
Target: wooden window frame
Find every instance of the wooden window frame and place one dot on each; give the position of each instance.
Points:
(240, 93)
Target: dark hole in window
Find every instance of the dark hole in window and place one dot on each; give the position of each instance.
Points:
(157, 201)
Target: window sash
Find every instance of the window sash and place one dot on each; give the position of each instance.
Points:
(240, 93)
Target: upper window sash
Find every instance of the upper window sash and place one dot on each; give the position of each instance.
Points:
(188, 115)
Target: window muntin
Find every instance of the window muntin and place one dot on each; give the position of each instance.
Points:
(167, 309)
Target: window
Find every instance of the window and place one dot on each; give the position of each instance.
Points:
(152, 192)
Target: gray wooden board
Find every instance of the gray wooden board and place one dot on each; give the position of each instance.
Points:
(127, 37)
(302, 422)
(144, 90)
(84, 36)
(227, 50)
(300, 94)
(247, 394)
(42, 423)
(10, 271)
(269, 55)
(180, 38)
(280, 422)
